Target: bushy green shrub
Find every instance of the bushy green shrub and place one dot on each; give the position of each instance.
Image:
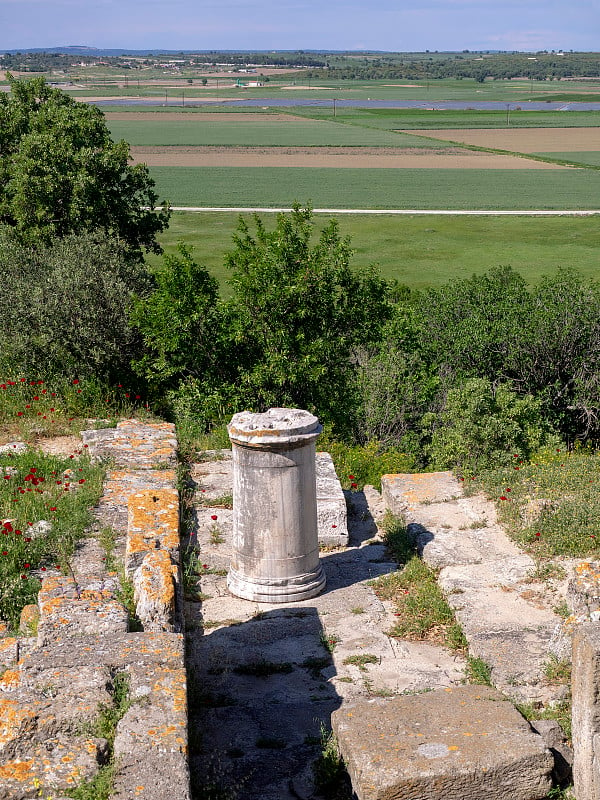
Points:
(65, 308)
(482, 427)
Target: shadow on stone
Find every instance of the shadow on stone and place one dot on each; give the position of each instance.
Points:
(259, 705)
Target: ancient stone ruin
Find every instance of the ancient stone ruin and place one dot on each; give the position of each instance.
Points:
(288, 635)
(276, 547)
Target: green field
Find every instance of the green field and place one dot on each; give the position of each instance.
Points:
(420, 251)
(576, 157)
(258, 131)
(423, 119)
(292, 85)
(379, 188)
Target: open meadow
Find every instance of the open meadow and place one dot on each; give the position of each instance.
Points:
(418, 251)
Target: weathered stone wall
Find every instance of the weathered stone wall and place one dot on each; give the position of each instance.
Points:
(52, 689)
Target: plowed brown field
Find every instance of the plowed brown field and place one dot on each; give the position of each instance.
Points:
(523, 140)
(336, 157)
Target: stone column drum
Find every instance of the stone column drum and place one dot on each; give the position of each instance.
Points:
(275, 556)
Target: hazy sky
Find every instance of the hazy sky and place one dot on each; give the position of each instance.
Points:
(303, 24)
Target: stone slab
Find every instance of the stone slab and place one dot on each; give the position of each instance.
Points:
(134, 444)
(464, 743)
(332, 515)
(78, 608)
(404, 489)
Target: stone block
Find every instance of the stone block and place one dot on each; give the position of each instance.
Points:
(134, 444)
(69, 608)
(9, 651)
(152, 524)
(585, 683)
(405, 489)
(155, 590)
(449, 744)
(151, 743)
(57, 764)
(332, 517)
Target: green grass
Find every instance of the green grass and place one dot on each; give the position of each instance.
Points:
(34, 487)
(424, 119)
(419, 251)
(379, 188)
(422, 612)
(264, 131)
(552, 505)
(591, 157)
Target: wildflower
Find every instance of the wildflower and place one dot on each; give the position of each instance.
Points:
(81, 480)
(354, 486)
(503, 497)
(76, 381)
(537, 536)
(351, 477)
(52, 508)
(26, 565)
(213, 516)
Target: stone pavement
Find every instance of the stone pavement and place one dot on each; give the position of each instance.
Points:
(505, 614)
(264, 679)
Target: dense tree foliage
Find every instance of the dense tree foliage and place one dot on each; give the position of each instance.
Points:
(286, 336)
(61, 173)
(65, 307)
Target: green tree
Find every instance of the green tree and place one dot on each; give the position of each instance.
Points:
(298, 313)
(180, 323)
(482, 427)
(61, 173)
(65, 307)
(470, 327)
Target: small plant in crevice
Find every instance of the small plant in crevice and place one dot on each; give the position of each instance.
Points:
(125, 594)
(478, 672)
(330, 775)
(263, 669)
(557, 671)
(101, 785)
(314, 664)
(397, 539)
(191, 571)
(329, 640)
(361, 660)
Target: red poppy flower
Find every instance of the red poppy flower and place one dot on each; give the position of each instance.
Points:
(76, 381)
(213, 516)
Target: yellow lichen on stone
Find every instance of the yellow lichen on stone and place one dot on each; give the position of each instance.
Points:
(19, 771)
(14, 718)
(10, 680)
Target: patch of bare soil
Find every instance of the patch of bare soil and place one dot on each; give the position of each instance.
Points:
(523, 140)
(330, 157)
